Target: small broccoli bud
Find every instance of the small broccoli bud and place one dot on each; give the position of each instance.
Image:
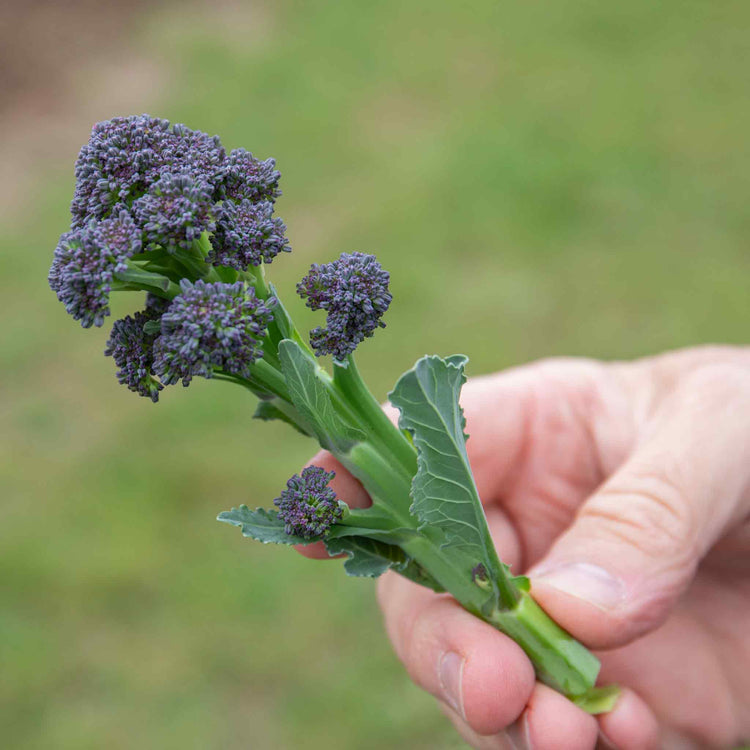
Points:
(353, 290)
(126, 155)
(308, 506)
(209, 326)
(248, 177)
(131, 347)
(85, 262)
(246, 235)
(175, 211)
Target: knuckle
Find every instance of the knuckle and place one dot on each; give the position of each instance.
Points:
(650, 512)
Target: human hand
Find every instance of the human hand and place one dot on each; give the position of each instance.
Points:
(623, 490)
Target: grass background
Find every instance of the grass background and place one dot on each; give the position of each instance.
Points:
(540, 178)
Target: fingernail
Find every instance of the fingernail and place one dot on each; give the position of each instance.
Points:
(451, 672)
(585, 581)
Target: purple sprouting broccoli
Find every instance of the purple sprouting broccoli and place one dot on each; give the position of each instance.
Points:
(131, 346)
(162, 209)
(308, 506)
(86, 261)
(247, 234)
(211, 325)
(249, 178)
(175, 211)
(353, 290)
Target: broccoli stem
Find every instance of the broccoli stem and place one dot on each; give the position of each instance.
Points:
(384, 433)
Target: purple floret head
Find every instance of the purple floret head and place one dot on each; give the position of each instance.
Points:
(211, 326)
(131, 346)
(353, 290)
(308, 506)
(249, 178)
(125, 156)
(175, 211)
(246, 235)
(86, 261)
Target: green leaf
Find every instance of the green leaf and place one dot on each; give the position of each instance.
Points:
(267, 411)
(309, 394)
(444, 495)
(144, 279)
(262, 525)
(226, 274)
(280, 315)
(371, 558)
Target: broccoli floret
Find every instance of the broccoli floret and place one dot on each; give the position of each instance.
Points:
(308, 506)
(246, 177)
(246, 235)
(211, 325)
(175, 211)
(126, 155)
(131, 346)
(353, 290)
(85, 262)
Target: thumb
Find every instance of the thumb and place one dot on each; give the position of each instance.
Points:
(635, 545)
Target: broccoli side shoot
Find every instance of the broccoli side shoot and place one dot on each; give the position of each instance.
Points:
(353, 290)
(308, 506)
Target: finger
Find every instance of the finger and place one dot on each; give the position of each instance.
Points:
(346, 487)
(635, 544)
(630, 725)
(552, 722)
(481, 673)
(549, 722)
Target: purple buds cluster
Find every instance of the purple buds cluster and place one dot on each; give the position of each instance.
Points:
(175, 211)
(131, 345)
(85, 262)
(208, 326)
(246, 234)
(246, 177)
(126, 155)
(308, 506)
(353, 291)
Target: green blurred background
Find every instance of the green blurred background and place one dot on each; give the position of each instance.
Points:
(540, 178)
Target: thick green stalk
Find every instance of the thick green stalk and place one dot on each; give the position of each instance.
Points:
(382, 431)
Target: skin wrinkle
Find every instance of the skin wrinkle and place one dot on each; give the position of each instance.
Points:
(638, 533)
